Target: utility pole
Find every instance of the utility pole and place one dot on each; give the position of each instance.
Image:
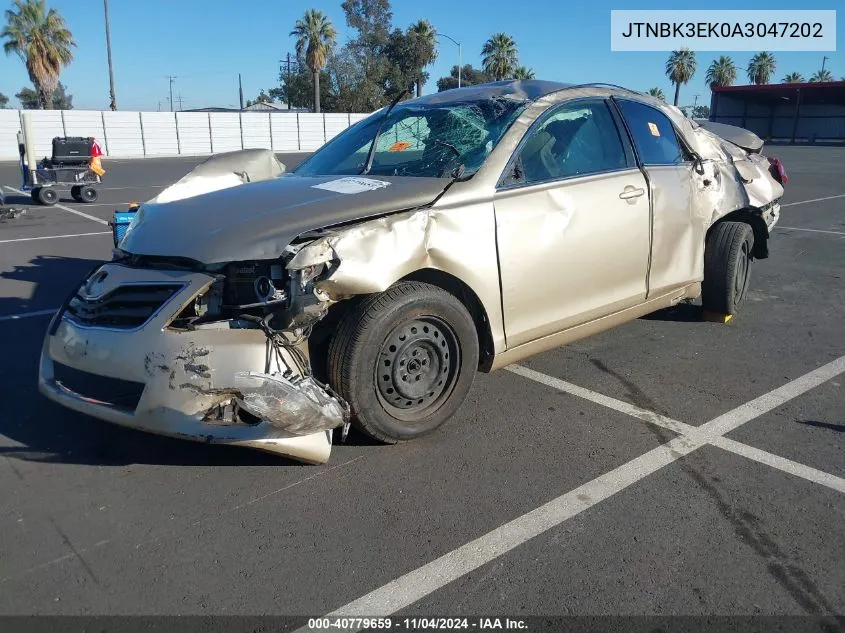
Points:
(112, 98)
(159, 106)
(179, 99)
(241, 91)
(287, 62)
(824, 59)
(171, 78)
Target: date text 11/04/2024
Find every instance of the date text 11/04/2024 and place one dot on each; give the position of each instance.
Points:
(417, 624)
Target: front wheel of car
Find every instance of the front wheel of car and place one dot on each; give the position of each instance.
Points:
(404, 360)
(727, 267)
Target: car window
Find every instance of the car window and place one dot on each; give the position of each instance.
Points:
(654, 136)
(419, 139)
(573, 140)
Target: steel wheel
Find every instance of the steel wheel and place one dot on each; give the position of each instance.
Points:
(416, 367)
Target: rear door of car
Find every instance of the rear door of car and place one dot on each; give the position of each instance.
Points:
(677, 255)
(572, 221)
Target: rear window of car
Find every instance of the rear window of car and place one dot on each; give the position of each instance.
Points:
(654, 136)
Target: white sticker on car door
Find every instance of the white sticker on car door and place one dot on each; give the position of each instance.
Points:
(352, 185)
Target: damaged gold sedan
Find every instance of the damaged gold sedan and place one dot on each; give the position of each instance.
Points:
(457, 232)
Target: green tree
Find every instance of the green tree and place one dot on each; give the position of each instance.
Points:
(424, 47)
(721, 72)
(793, 78)
(315, 37)
(28, 98)
(657, 93)
(402, 64)
(42, 40)
(522, 72)
(263, 97)
(500, 56)
(761, 68)
(701, 112)
(372, 21)
(822, 76)
(469, 77)
(61, 99)
(680, 67)
(3, 101)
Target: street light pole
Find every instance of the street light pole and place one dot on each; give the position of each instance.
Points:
(112, 98)
(458, 44)
(824, 59)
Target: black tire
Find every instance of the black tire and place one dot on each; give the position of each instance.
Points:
(88, 194)
(74, 193)
(404, 360)
(47, 195)
(727, 267)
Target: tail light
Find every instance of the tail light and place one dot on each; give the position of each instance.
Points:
(777, 170)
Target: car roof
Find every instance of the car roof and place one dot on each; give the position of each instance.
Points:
(526, 89)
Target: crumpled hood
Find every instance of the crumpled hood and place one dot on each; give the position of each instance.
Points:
(258, 220)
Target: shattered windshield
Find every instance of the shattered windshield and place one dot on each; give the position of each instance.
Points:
(435, 140)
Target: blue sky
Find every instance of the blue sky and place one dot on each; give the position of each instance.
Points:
(206, 43)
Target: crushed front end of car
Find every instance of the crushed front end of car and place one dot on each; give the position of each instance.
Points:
(171, 349)
(199, 326)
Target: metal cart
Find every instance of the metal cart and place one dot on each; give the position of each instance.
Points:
(60, 171)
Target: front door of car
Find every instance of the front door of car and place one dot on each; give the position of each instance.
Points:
(679, 222)
(572, 221)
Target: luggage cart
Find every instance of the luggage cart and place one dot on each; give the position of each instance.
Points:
(67, 167)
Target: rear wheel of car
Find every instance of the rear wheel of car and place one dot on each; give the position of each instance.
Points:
(727, 267)
(404, 360)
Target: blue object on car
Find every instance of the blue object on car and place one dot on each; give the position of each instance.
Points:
(120, 224)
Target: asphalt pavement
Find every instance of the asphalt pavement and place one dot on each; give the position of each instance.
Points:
(670, 466)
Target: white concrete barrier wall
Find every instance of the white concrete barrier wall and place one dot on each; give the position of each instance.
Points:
(284, 132)
(137, 134)
(255, 130)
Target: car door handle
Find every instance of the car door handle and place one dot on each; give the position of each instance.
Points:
(631, 192)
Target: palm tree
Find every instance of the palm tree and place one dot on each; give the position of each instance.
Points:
(680, 67)
(657, 93)
(315, 35)
(425, 39)
(722, 72)
(500, 56)
(42, 40)
(822, 76)
(522, 72)
(761, 68)
(794, 78)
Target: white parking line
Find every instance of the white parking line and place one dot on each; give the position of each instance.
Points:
(781, 463)
(792, 228)
(433, 576)
(605, 401)
(794, 204)
(64, 208)
(53, 237)
(26, 315)
(427, 579)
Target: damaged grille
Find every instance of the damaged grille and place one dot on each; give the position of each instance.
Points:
(126, 307)
(121, 394)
